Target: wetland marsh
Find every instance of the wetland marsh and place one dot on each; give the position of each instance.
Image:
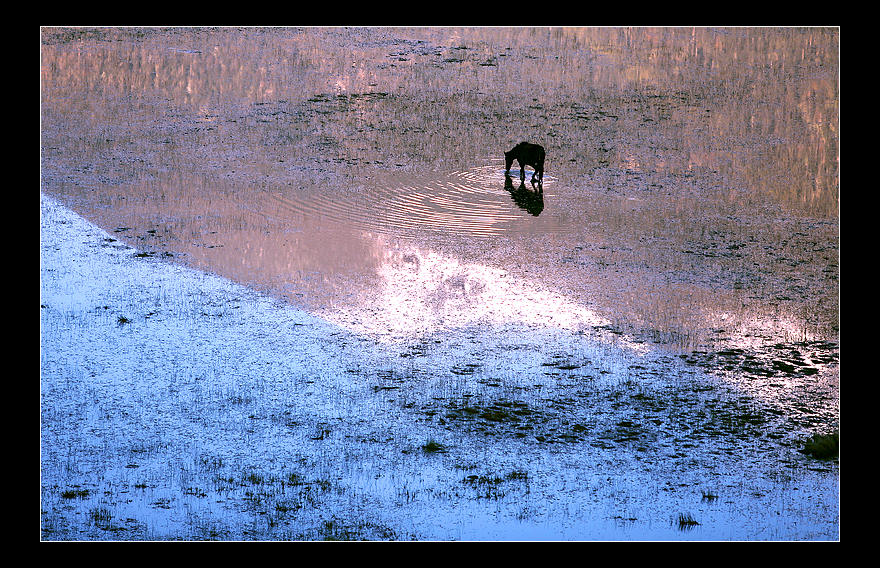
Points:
(288, 293)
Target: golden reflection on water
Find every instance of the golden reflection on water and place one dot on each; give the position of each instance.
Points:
(294, 159)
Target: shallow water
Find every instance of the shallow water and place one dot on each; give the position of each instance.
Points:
(178, 405)
(692, 174)
(480, 203)
(689, 208)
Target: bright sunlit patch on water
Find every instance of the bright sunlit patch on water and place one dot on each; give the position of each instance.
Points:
(425, 292)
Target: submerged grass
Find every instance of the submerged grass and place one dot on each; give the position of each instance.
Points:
(823, 446)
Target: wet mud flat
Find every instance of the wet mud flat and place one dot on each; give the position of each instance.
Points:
(655, 344)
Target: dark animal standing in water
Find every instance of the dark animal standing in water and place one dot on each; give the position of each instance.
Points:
(527, 155)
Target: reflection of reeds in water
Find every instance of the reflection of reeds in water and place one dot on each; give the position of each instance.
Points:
(666, 147)
(719, 95)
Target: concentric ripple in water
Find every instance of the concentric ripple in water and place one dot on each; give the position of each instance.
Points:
(478, 202)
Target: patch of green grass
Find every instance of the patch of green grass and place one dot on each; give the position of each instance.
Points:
(495, 415)
(516, 475)
(295, 479)
(253, 479)
(336, 530)
(432, 446)
(287, 506)
(493, 486)
(823, 446)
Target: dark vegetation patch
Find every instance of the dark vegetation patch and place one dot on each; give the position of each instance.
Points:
(799, 359)
(686, 521)
(798, 377)
(335, 529)
(432, 447)
(666, 419)
(657, 419)
(823, 446)
(75, 493)
(494, 486)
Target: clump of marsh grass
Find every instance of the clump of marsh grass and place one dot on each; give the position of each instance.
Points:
(101, 516)
(432, 446)
(686, 521)
(822, 446)
(709, 496)
(75, 493)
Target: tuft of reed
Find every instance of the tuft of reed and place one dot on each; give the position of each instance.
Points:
(686, 521)
(709, 496)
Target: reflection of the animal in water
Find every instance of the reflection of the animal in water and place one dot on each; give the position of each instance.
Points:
(531, 200)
